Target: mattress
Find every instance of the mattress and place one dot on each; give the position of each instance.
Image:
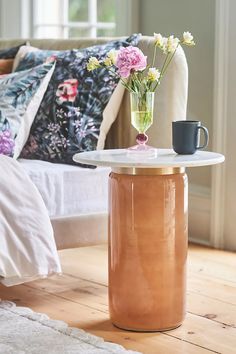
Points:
(69, 190)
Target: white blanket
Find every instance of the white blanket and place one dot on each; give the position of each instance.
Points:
(27, 247)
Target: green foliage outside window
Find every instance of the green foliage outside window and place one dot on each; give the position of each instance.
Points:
(79, 12)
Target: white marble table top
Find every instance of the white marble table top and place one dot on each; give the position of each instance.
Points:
(164, 158)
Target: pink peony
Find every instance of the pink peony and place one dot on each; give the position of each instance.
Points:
(67, 90)
(130, 59)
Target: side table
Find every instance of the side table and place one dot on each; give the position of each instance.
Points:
(148, 237)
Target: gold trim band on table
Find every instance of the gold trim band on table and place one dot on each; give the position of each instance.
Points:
(148, 171)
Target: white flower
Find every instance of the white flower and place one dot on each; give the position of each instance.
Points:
(164, 45)
(172, 44)
(93, 63)
(188, 38)
(158, 39)
(153, 74)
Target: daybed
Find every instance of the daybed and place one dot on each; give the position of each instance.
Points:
(76, 197)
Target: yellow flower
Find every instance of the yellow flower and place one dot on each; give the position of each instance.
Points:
(112, 55)
(188, 38)
(107, 61)
(93, 63)
(111, 58)
(153, 74)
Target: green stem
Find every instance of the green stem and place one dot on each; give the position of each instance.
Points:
(164, 64)
(171, 57)
(154, 56)
(167, 62)
(127, 86)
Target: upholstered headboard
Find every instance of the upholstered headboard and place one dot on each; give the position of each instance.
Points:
(170, 98)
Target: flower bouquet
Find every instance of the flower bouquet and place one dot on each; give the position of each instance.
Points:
(141, 80)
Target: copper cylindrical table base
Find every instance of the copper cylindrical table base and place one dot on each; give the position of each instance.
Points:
(147, 250)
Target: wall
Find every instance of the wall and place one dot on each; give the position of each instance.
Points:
(229, 208)
(175, 17)
(10, 27)
(171, 16)
(15, 18)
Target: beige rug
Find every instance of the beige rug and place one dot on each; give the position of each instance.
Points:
(23, 331)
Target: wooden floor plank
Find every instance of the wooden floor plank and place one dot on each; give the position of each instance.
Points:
(213, 270)
(97, 322)
(216, 310)
(213, 288)
(75, 259)
(79, 297)
(95, 296)
(213, 263)
(219, 256)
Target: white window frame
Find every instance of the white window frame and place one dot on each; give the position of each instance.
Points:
(64, 25)
(19, 23)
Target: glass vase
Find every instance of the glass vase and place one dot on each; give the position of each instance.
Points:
(142, 106)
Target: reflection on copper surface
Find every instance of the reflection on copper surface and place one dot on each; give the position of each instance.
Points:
(147, 250)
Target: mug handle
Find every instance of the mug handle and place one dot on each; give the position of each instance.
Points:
(206, 136)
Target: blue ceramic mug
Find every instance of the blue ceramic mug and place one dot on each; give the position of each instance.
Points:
(186, 136)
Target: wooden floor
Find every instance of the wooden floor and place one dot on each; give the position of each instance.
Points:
(79, 297)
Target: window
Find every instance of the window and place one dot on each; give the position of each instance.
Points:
(73, 18)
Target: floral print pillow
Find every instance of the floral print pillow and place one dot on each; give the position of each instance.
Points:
(18, 105)
(70, 115)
